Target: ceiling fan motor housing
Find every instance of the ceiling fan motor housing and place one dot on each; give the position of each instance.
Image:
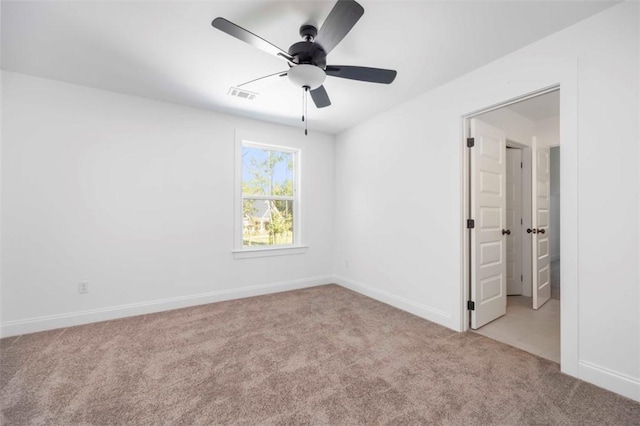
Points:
(308, 32)
(307, 59)
(308, 52)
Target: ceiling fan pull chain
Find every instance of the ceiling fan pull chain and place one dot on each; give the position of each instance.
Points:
(306, 102)
(307, 59)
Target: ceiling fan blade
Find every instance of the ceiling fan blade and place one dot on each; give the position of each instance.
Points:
(341, 19)
(373, 75)
(249, 37)
(320, 97)
(279, 74)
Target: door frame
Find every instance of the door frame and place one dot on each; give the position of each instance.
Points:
(525, 190)
(568, 250)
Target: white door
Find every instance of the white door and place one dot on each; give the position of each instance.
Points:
(488, 210)
(541, 240)
(514, 221)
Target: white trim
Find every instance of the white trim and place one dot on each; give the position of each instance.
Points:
(33, 325)
(270, 251)
(250, 139)
(526, 188)
(268, 197)
(423, 311)
(569, 220)
(564, 76)
(611, 380)
(465, 236)
(465, 173)
(514, 100)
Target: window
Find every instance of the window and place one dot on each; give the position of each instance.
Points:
(267, 214)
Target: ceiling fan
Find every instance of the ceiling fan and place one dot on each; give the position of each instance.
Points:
(307, 59)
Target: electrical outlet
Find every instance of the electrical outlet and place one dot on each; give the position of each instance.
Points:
(83, 287)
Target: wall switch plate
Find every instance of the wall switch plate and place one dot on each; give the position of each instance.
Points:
(83, 287)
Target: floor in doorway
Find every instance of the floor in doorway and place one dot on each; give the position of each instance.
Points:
(555, 279)
(534, 331)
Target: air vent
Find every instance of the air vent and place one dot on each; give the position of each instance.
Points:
(241, 93)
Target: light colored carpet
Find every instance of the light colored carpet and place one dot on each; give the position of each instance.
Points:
(323, 355)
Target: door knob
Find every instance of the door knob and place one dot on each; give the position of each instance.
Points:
(506, 231)
(541, 231)
(529, 230)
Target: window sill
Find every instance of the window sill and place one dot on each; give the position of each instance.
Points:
(267, 252)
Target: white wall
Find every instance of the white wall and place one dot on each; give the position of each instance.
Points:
(517, 128)
(399, 208)
(136, 197)
(1, 178)
(548, 131)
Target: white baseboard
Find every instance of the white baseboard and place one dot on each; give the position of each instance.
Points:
(33, 325)
(599, 376)
(423, 311)
(610, 380)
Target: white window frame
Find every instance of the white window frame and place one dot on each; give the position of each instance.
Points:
(246, 139)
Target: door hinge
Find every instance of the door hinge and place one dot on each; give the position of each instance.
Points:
(471, 305)
(471, 223)
(521, 278)
(521, 164)
(520, 221)
(471, 142)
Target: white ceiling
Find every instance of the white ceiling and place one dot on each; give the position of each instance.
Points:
(539, 107)
(169, 51)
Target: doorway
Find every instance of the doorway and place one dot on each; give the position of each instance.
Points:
(514, 247)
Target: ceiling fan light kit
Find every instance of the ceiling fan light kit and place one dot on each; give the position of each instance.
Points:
(306, 75)
(307, 59)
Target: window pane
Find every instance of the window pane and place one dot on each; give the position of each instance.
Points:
(266, 172)
(267, 222)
